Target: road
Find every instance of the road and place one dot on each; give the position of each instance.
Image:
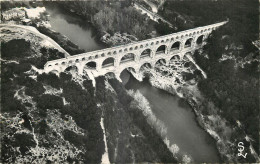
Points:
(37, 33)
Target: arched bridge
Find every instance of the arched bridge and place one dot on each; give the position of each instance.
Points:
(134, 55)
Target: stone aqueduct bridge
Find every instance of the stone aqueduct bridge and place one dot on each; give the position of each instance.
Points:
(134, 55)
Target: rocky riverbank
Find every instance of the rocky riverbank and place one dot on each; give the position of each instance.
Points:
(173, 79)
(118, 39)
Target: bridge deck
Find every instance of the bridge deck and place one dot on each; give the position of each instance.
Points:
(110, 51)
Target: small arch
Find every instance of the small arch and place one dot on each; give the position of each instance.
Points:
(63, 63)
(161, 49)
(109, 53)
(176, 46)
(146, 53)
(114, 52)
(188, 43)
(162, 41)
(96, 56)
(103, 55)
(120, 51)
(91, 65)
(157, 42)
(136, 47)
(83, 59)
(108, 62)
(125, 49)
(77, 60)
(177, 37)
(152, 43)
(89, 58)
(131, 48)
(57, 64)
(127, 58)
(146, 45)
(141, 46)
(49, 65)
(200, 40)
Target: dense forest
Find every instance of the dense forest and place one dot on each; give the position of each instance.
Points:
(16, 76)
(232, 84)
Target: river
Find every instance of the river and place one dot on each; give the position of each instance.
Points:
(79, 31)
(178, 117)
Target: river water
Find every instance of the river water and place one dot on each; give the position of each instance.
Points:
(177, 116)
(79, 31)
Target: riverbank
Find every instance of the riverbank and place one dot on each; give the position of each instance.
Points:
(211, 122)
(115, 23)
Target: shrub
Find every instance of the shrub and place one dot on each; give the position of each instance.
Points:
(47, 101)
(16, 48)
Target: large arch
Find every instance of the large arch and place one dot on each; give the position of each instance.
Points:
(54, 71)
(145, 65)
(185, 58)
(108, 62)
(188, 43)
(160, 61)
(175, 57)
(199, 40)
(161, 49)
(176, 46)
(90, 65)
(146, 53)
(71, 68)
(122, 74)
(127, 58)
